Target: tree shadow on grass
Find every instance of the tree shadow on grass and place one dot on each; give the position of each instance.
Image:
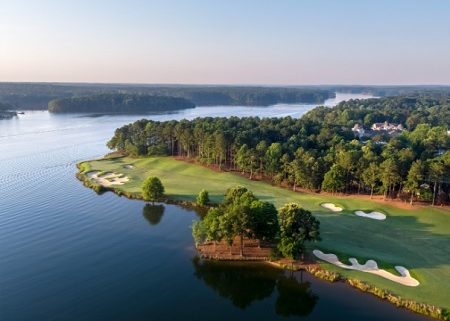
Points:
(244, 283)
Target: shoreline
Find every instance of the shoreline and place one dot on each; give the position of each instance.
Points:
(317, 270)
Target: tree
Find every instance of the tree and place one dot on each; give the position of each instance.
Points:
(220, 146)
(237, 217)
(209, 228)
(370, 176)
(203, 198)
(272, 158)
(242, 160)
(152, 189)
(415, 176)
(436, 170)
(131, 149)
(389, 175)
(261, 149)
(264, 220)
(334, 180)
(297, 226)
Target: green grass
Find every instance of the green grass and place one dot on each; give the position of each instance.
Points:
(417, 238)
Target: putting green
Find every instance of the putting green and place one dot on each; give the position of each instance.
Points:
(416, 238)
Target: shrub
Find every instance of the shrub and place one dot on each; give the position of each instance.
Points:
(152, 189)
(203, 198)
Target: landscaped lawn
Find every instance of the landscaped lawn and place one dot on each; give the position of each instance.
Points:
(416, 238)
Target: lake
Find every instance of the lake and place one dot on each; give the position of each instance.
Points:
(67, 253)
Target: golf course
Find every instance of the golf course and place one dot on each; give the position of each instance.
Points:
(417, 238)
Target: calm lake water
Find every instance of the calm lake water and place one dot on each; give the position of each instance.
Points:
(68, 254)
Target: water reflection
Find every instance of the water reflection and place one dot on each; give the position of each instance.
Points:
(244, 283)
(153, 213)
(294, 298)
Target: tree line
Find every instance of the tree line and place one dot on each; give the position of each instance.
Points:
(118, 103)
(318, 151)
(38, 95)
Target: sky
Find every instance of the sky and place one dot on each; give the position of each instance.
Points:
(278, 42)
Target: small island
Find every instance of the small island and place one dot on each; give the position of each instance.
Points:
(119, 103)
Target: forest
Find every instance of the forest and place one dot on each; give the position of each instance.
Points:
(38, 95)
(118, 103)
(319, 151)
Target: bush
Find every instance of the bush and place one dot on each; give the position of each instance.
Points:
(324, 274)
(152, 189)
(203, 198)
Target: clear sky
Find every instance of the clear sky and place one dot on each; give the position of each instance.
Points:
(226, 42)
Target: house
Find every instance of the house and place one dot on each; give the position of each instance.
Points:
(387, 127)
(358, 130)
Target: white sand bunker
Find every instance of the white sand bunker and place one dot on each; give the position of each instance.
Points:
(373, 215)
(128, 166)
(108, 179)
(370, 267)
(331, 207)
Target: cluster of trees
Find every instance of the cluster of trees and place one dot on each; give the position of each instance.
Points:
(38, 95)
(243, 214)
(319, 150)
(118, 103)
(409, 111)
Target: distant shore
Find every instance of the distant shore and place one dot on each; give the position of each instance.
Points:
(7, 114)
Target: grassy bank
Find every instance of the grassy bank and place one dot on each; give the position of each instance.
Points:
(416, 238)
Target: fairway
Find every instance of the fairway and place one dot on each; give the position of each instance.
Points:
(416, 238)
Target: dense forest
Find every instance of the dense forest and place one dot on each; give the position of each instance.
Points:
(387, 91)
(118, 103)
(318, 151)
(38, 95)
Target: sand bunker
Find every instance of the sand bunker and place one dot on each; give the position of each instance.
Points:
(373, 215)
(128, 166)
(370, 267)
(331, 207)
(108, 179)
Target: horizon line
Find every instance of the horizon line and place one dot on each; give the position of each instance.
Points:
(228, 84)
